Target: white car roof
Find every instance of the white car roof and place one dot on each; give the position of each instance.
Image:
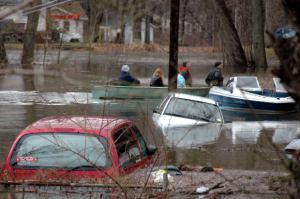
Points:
(194, 98)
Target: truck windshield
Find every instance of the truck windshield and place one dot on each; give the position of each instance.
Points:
(61, 150)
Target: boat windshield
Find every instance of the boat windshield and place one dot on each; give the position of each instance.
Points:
(195, 110)
(61, 151)
(278, 85)
(247, 83)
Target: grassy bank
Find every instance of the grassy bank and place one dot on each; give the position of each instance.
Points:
(134, 48)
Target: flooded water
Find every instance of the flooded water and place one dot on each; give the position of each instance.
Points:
(239, 145)
(64, 89)
(248, 142)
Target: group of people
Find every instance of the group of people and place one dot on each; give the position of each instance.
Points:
(184, 77)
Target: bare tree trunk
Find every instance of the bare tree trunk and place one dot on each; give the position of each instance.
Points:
(123, 26)
(173, 46)
(3, 57)
(258, 41)
(183, 18)
(29, 37)
(121, 38)
(94, 11)
(137, 30)
(92, 24)
(137, 20)
(147, 29)
(97, 27)
(122, 7)
(234, 53)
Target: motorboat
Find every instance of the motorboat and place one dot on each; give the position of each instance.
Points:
(244, 94)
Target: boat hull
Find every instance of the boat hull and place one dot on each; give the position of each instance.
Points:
(253, 103)
(141, 92)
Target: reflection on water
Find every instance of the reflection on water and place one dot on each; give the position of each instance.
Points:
(249, 132)
(46, 98)
(232, 145)
(192, 137)
(252, 116)
(239, 145)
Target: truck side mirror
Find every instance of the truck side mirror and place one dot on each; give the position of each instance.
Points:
(151, 149)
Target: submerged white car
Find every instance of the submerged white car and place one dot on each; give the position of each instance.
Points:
(180, 110)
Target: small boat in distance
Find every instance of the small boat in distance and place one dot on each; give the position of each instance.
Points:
(243, 93)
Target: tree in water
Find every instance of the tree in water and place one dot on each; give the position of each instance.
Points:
(3, 57)
(29, 37)
(173, 46)
(234, 52)
(258, 41)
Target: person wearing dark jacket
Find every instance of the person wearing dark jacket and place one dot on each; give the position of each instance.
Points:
(215, 76)
(125, 76)
(157, 78)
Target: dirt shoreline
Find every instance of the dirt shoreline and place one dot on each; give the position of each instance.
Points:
(222, 184)
(133, 48)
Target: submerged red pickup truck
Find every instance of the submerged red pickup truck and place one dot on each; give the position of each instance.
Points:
(76, 149)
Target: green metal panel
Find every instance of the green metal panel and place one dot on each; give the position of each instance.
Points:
(141, 92)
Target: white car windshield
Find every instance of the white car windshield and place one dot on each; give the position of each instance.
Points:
(193, 110)
(61, 150)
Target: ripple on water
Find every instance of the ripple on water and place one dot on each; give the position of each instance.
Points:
(45, 98)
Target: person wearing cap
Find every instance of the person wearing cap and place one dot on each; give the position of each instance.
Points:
(215, 76)
(125, 76)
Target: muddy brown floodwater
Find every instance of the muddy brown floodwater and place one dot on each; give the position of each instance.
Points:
(242, 144)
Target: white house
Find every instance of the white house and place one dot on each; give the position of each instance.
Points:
(110, 28)
(69, 18)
